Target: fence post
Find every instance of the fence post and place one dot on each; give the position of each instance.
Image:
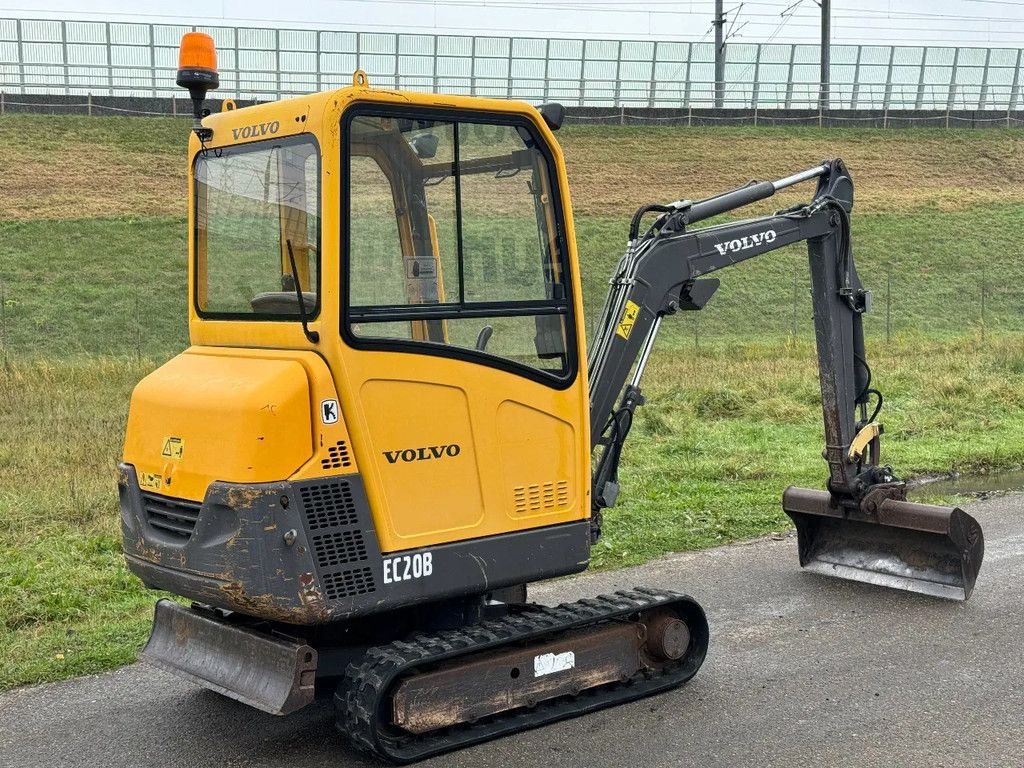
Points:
(618, 75)
(89, 104)
(547, 62)
(472, 60)
(152, 59)
(789, 77)
(319, 68)
(138, 326)
(796, 299)
(238, 66)
(756, 89)
(888, 303)
(472, 66)
(21, 57)
(856, 79)
(622, 115)
(952, 84)
(982, 303)
(654, 82)
(110, 61)
(689, 79)
(983, 98)
(919, 102)
(583, 66)
(1015, 87)
(277, 62)
(888, 82)
(64, 56)
(509, 68)
(2, 106)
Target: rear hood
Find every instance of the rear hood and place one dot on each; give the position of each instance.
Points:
(205, 417)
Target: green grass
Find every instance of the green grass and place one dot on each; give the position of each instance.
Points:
(92, 271)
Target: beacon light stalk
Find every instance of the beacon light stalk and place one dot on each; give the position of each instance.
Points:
(197, 71)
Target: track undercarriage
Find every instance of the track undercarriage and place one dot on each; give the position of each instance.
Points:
(432, 692)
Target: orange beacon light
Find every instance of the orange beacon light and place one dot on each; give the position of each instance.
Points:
(197, 71)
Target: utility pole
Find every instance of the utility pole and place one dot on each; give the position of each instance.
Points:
(719, 24)
(826, 23)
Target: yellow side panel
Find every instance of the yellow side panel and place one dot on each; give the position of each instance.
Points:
(538, 457)
(201, 418)
(429, 486)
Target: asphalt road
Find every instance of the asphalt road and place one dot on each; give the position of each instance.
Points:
(802, 671)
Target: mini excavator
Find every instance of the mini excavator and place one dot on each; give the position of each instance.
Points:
(383, 429)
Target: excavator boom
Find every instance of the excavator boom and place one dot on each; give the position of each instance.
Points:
(861, 527)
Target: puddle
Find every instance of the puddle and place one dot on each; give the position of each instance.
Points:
(974, 486)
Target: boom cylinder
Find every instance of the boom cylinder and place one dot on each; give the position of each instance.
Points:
(752, 193)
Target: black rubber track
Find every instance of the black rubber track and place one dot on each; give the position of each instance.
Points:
(362, 696)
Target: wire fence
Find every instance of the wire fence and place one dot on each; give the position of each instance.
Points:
(140, 60)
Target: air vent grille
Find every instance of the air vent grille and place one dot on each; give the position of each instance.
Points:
(175, 518)
(337, 457)
(328, 505)
(339, 548)
(355, 581)
(540, 496)
(340, 539)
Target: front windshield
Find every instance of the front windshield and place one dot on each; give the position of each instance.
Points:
(257, 211)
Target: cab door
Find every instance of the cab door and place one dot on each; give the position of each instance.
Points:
(463, 383)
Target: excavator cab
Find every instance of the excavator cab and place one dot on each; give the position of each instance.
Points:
(385, 351)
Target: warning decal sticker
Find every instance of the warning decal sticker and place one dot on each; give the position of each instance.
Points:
(628, 319)
(174, 448)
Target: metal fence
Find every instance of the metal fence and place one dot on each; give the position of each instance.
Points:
(128, 59)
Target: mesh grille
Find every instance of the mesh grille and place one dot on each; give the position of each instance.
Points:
(540, 496)
(337, 538)
(173, 517)
(339, 548)
(337, 456)
(356, 581)
(329, 505)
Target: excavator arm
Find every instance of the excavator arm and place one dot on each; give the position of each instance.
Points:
(936, 550)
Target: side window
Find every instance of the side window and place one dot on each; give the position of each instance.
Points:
(454, 239)
(257, 210)
(502, 257)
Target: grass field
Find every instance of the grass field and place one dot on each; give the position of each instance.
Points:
(92, 261)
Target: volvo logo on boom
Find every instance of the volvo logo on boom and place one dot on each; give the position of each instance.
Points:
(746, 242)
(253, 131)
(427, 453)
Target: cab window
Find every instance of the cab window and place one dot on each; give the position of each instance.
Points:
(455, 241)
(257, 230)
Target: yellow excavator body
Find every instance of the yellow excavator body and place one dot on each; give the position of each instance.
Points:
(243, 404)
(387, 423)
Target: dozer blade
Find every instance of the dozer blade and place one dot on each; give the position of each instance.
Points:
(914, 547)
(268, 672)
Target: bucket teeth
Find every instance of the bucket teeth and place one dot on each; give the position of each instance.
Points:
(914, 547)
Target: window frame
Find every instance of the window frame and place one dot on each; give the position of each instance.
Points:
(564, 307)
(312, 313)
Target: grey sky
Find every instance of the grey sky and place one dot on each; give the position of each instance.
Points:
(996, 23)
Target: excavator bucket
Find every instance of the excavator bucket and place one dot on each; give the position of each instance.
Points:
(914, 547)
(269, 672)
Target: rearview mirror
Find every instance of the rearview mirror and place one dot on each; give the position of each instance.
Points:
(424, 145)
